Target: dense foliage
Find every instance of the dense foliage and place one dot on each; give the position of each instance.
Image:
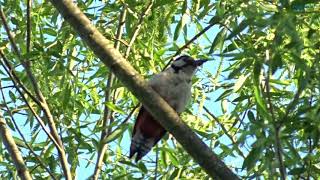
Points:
(256, 103)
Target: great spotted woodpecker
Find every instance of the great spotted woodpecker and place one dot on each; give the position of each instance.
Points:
(174, 86)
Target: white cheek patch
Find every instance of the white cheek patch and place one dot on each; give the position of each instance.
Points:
(179, 63)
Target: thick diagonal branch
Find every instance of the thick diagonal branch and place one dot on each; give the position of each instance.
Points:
(158, 107)
(13, 151)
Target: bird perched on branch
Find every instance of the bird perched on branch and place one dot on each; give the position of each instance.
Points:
(174, 86)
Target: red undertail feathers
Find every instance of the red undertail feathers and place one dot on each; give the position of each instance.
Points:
(146, 133)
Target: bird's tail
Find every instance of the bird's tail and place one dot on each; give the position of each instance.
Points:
(140, 145)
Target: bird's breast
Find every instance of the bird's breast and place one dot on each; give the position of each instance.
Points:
(175, 90)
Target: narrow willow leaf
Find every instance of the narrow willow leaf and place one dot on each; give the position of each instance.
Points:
(177, 31)
(163, 157)
(114, 108)
(252, 158)
(250, 116)
(297, 171)
(182, 22)
(260, 101)
(113, 136)
(224, 94)
(281, 82)
(241, 80)
(241, 98)
(49, 31)
(173, 159)
(238, 29)
(269, 7)
(12, 96)
(224, 106)
(218, 40)
(129, 163)
(10, 123)
(174, 174)
(142, 167)
(257, 92)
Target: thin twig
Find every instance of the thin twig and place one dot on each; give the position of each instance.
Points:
(278, 149)
(189, 42)
(5, 87)
(126, 119)
(156, 168)
(138, 27)
(224, 130)
(14, 75)
(276, 124)
(10, 36)
(243, 117)
(22, 136)
(193, 39)
(108, 112)
(267, 84)
(29, 4)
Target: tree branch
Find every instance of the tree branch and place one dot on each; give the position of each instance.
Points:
(189, 42)
(28, 43)
(13, 150)
(138, 27)
(158, 107)
(43, 103)
(276, 124)
(22, 136)
(16, 83)
(224, 130)
(108, 112)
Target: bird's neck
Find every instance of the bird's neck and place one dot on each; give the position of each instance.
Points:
(180, 75)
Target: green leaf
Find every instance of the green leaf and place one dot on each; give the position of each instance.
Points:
(12, 96)
(241, 98)
(174, 174)
(114, 108)
(129, 163)
(280, 82)
(257, 92)
(239, 28)
(252, 158)
(162, 3)
(224, 94)
(49, 31)
(163, 158)
(241, 80)
(10, 123)
(177, 31)
(113, 136)
(218, 40)
(297, 171)
(268, 7)
(173, 159)
(182, 22)
(251, 116)
(142, 167)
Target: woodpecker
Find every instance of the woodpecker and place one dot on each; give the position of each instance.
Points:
(174, 86)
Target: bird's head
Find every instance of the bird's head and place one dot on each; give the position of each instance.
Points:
(186, 64)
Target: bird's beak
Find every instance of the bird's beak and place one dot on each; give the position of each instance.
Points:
(200, 62)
